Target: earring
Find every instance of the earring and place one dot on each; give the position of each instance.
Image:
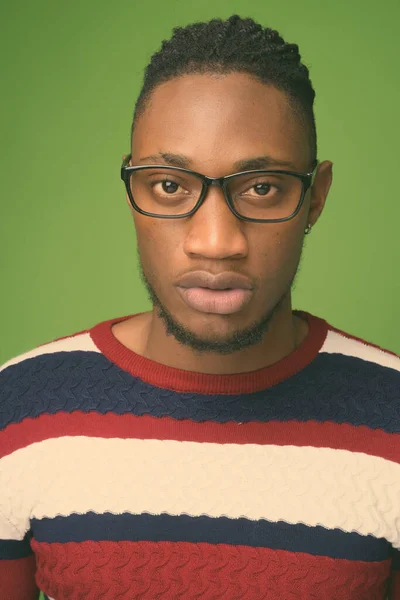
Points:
(308, 229)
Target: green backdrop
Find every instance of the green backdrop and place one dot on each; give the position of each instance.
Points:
(71, 74)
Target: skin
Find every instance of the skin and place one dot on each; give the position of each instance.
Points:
(217, 120)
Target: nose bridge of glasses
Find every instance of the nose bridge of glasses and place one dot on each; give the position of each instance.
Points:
(219, 212)
(219, 182)
(214, 181)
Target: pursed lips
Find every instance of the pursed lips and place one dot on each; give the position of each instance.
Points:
(222, 293)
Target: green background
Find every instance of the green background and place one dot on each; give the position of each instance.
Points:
(70, 77)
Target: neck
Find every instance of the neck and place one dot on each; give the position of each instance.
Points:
(284, 334)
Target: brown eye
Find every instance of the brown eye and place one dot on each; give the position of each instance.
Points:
(170, 187)
(262, 188)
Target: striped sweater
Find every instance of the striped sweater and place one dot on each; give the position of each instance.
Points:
(121, 478)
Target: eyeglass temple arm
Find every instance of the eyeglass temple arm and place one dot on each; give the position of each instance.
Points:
(314, 172)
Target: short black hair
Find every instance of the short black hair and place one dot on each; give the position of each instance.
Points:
(234, 45)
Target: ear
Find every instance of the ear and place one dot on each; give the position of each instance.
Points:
(320, 190)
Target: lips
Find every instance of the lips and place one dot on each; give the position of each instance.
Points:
(224, 293)
(221, 281)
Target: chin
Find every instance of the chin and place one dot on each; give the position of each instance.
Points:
(209, 332)
(212, 324)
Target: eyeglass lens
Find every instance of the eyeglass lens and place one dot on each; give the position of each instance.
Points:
(253, 195)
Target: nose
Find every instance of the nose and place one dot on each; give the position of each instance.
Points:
(214, 232)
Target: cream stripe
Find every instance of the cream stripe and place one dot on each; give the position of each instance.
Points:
(315, 486)
(337, 343)
(82, 341)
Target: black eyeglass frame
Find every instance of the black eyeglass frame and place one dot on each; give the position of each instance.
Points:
(307, 180)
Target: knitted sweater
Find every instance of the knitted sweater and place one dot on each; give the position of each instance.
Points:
(121, 478)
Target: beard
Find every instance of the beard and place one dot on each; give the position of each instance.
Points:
(238, 340)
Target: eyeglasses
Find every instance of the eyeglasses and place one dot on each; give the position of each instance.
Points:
(262, 196)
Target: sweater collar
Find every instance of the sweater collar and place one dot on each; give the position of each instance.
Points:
(179, 380)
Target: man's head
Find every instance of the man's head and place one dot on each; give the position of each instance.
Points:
(218, 94)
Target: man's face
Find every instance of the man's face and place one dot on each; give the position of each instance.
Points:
(216, 121)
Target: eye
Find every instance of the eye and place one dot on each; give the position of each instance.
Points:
(168, 186)
(262, 189)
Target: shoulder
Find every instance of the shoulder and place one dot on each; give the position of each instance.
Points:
(350, 381)
(361, 381)
(348, 345)
(75, 341)
(33, 382)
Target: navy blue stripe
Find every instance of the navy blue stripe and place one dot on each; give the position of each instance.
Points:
(13, 549)
(183, 528)
(396, 560)
(333, 387)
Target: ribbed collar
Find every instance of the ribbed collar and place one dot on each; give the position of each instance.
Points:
(188, 381)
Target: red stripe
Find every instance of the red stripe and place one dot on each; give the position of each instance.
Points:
(395, 586)
(17, 579)
(148, 570)
(310, 433)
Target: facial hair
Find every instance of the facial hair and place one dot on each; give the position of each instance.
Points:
(239, 340)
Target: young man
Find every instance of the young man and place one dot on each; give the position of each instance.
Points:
(222, 445)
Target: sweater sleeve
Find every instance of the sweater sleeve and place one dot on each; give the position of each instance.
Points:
(17, 561)
(17, 569)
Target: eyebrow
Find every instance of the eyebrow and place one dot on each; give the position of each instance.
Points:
(249, 164)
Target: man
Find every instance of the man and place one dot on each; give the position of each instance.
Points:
(221, 445)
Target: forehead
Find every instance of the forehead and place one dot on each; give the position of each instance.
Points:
(217, 120)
